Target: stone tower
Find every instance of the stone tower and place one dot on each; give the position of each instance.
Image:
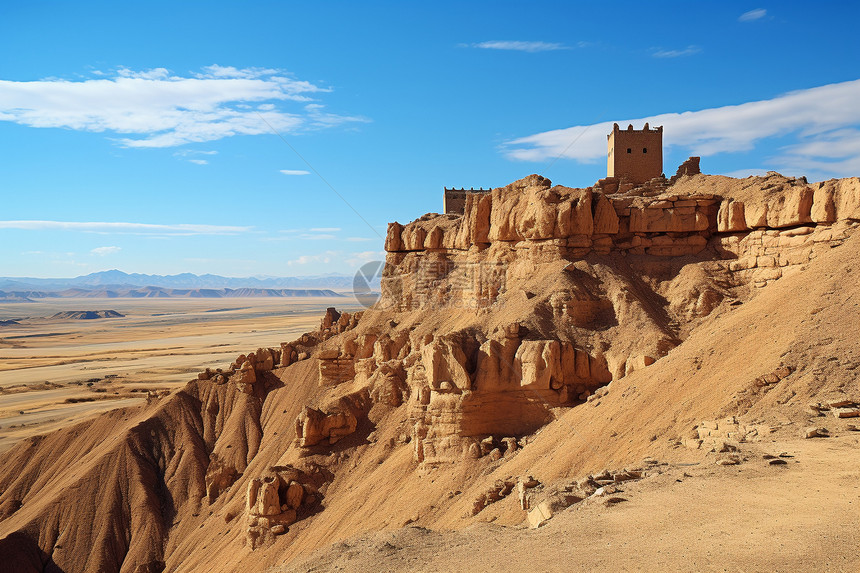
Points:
(635, 155)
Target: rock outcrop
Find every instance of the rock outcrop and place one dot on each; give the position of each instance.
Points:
(341, 419)
(539, 303)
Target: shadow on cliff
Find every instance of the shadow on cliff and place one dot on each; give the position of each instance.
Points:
(19, 553)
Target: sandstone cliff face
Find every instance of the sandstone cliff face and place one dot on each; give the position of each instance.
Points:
(491, 325)
(471, 257)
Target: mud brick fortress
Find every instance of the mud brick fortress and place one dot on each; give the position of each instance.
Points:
(635, 155)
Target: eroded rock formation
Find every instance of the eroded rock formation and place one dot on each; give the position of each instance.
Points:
(538, 299)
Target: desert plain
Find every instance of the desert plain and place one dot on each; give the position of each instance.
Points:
(58, 371)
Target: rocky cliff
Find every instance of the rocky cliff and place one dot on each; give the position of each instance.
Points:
(491, 326)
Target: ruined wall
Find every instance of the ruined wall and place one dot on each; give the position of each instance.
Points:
(454, 200)
(636, 155)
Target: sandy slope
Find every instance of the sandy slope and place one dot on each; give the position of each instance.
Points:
(803, 516)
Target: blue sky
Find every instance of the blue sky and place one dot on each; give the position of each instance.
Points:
(139, 136)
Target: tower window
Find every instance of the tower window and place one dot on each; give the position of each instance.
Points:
(629, 150)
(644, 150)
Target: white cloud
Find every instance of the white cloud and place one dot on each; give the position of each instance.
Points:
(520, 46)
(103, 251)
(688, 51)
(187, 152)
(117, 227)
(199, 161)
(325, 257)
(153, 108)
(295, 172)
(229, 72)
(339, 258)
(825, 122)
(317, 236)
(325, 229)
(756, 14)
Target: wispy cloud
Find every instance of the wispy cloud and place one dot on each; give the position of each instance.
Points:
(295, 172)
(192, 152)
(193, 155)
(824, 121)
(325, 229)
(156, 108)
(688, 51)
(325, 258)
(118, 227)
(317, 236)
(519, 46)
(752, 15)
(339, 259)
(104, 251)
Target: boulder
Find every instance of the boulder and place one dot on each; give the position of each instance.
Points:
(638, 363)
(539, 515)
(823, 204)
(434, 238)
(605, 217)
(836, 200)
(755, 215)
(495, 366)
(330, 318)
(265, 360)
(288, 355)
(393, 240)
(648, 218)
(445, 361)
(267, 498)
(251, 495)
(791, 207)
(539, 362)
(475, 226)
(730, 217)
(814, 432)
(509, 204)
(295, 494)
(847, 199)
(487, 445)
(413, 237)
(246, 377)
(313, 426)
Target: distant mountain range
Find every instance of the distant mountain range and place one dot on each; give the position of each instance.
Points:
(115, 278)
(117, 284)
(160, 292)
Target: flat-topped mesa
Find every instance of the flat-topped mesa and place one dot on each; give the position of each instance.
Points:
(697, 212)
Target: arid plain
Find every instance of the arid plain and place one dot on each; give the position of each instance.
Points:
(58, 371)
